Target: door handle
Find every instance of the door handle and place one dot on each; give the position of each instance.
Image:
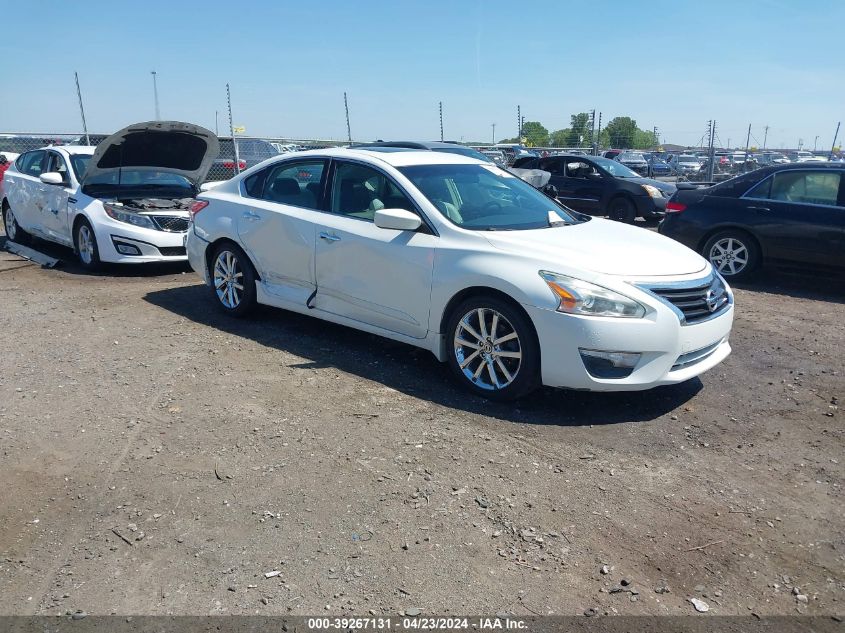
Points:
(251, 215)
(329, 238)
(759, 209)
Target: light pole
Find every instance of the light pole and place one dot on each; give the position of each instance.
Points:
(155, 94)
(816, 142)
(494, 133)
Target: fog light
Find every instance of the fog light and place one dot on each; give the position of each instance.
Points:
(126, 249)
(609, 364)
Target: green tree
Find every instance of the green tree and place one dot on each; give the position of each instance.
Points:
(621, 132)
(560, 138)
(579, 129)
(535, 134)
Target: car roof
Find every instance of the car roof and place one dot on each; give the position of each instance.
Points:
(410, 144)
(394, 156)
(71, 149)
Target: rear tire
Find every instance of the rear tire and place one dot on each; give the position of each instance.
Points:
(733, 253)
(622, 209)
(14, 232)
(232, 280)
(493, 349)
(86, 246)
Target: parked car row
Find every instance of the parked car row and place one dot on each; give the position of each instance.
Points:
(439, 250)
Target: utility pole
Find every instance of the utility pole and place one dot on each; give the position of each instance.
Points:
(835, 136)
(711, 154)
(598, 139)
(216, 128)
(518, 124)
(747, 141)
(232, 131)
(494, 133)
(346, 107)
(155, 94)
(816, 142)
(765, 136)
(592, 128)
(441, 121)
(81, 110)
(656, 138)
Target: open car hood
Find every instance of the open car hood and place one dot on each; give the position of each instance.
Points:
(164, 146)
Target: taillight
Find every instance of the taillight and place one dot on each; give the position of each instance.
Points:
(230, 164)
(675, 207)
(198, 206)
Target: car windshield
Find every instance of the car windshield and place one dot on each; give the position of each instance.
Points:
(486, 198)
(614, 168)
(634, 158)
(464, 151)
(687, 159)
(79, 162)
(128, 182)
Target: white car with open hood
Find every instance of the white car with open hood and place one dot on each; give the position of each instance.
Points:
(127, 201)
(466, 260)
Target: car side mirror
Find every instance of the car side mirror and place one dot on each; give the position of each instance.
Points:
(551, 191)
(52, 178)
(397, 219)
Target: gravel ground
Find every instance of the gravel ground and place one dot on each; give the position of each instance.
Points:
(157, 457)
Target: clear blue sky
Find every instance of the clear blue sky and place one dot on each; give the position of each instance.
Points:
(666, 63)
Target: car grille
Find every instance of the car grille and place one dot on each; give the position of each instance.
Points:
(172, 251)
(696, 356)
(171, 223)
(696, 302)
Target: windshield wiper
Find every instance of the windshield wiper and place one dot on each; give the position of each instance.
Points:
(555, 220)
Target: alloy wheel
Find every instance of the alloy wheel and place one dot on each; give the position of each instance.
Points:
(11, 225)
(729, 256)
(487, 349)
(228, 279)
(85, 243)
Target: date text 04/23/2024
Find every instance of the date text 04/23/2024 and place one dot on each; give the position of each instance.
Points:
(417, 624)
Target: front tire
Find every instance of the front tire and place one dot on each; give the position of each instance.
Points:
(86, 246)
(493, 348)
(13, 230)
(733, 253)
(622, 209)
(233, 280)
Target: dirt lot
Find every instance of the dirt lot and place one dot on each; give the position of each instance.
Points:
(157, 457)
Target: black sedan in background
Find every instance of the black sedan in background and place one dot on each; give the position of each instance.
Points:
(600, 186)
(783, 214)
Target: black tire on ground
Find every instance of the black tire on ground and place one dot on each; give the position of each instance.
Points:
(622, 209)
(232, 280)
(734, 253)
(513, 377)
(85, 245)
(14, 232)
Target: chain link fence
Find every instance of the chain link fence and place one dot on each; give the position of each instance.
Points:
(685, 165)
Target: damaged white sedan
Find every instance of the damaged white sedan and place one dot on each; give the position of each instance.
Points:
(126, 201)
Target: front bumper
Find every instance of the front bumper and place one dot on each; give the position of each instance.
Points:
(146, 245)
(670, 352)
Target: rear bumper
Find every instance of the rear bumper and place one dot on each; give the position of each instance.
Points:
(196, 247)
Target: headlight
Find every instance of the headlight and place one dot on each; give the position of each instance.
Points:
(117, 212)
(581, 297)
(653, 191)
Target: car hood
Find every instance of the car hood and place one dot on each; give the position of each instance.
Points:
(602, 246)
(173, 147)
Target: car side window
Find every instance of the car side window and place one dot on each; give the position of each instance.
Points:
(56, 163)
(359, 191)
(762, 191)
(552, 165)
(33, 162)
(808, 187)
(298, 184)
(580, 169)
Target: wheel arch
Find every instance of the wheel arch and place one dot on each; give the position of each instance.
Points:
(479, 291)
(730, 227)
(213, 246)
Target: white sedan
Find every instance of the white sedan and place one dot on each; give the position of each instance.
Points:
(127, 201)
(466, 260)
